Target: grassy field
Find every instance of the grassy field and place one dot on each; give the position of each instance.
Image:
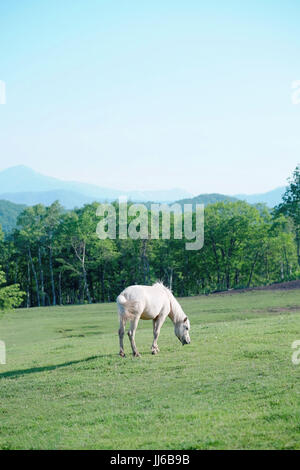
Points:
(235, 386)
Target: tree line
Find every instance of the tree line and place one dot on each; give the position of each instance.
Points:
(54, 257)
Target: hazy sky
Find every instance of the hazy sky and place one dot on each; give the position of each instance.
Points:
(152, 94)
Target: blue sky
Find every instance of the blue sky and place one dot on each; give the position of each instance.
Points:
(152, 95)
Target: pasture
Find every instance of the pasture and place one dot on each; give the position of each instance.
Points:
(65, 387)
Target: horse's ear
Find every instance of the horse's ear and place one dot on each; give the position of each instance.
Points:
(185, 319)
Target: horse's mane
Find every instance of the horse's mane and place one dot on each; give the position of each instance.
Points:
(176, 309)
(165, 288)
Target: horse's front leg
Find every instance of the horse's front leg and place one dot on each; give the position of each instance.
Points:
(121, 335)
(157, 323)
(131, 334)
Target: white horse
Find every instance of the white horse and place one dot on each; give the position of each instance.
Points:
(150, 303)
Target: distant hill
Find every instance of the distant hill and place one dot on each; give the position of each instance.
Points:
(22, 179)
(271, 198)
(19, 182)
(68, 199)
(208, 199)
(9, 213)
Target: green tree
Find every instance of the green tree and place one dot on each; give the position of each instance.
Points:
(32, 233)
(51, 222)
(10, 296)
(291, 206)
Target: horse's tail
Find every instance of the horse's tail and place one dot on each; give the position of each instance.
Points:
(127, 308)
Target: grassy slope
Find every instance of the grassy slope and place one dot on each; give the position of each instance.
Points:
(234, 387)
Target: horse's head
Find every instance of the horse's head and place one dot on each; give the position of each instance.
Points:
(182, 331)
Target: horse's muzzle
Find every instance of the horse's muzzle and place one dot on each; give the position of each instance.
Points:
(184, 342)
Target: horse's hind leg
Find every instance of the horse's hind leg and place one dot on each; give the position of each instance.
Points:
(121, 335)
(131, 334)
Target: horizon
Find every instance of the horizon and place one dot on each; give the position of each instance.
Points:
(193, 96)
(131, 190)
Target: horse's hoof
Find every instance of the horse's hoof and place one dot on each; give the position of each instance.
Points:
(136, 354)
(122, 354)
(155, 350)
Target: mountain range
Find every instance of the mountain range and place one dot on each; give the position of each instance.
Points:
(23, 186)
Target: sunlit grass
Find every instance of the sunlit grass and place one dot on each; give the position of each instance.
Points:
(235, 386)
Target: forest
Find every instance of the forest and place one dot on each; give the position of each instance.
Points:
(54, 256)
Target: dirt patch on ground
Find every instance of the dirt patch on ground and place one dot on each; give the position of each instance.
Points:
(277, 286)
(283, 285)
(294, 308)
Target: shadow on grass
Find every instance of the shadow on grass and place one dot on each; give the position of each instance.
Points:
(34, 370)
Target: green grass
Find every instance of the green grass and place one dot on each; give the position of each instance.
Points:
(235, 386)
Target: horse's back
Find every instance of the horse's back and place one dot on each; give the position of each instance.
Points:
(150, 300)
